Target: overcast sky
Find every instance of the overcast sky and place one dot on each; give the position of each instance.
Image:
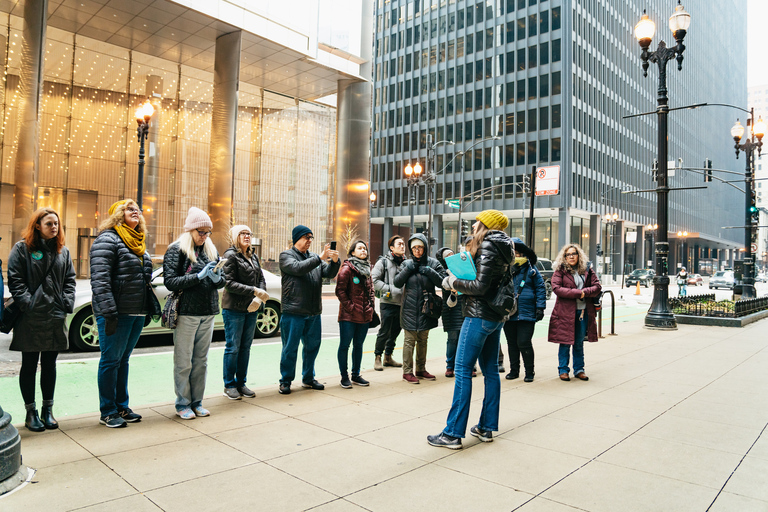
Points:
(757, 53)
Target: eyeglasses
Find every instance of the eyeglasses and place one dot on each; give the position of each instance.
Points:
(131, 209)
(246, 233)
(569, 254)
(203, 233)
(308, 237)
(417, 248)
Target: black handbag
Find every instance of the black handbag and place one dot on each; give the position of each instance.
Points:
(12, 312)
(431, 305)
(375, 320)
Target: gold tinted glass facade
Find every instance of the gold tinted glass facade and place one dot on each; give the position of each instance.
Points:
(88, 149)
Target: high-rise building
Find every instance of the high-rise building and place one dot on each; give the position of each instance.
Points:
(758, 99)
(554, 81)
(246, 124)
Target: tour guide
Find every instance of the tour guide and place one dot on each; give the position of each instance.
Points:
(302, 286)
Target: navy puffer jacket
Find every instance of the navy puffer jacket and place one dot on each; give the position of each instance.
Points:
(530, 297)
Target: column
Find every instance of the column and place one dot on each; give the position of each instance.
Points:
(226, 77)
(437, 228)
(640, 248)
(594, 239)
(563, 231)
(31, 81)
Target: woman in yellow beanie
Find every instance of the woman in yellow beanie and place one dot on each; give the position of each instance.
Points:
(493, 252)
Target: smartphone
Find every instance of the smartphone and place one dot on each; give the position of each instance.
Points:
(333, 245)
(220, 264)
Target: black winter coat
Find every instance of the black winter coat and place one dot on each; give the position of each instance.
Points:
(492, 259)
(302, 281)
(199, 297)
(243, 275)
(119, 278)
(414, 282)
(41, 327)
(452, 317)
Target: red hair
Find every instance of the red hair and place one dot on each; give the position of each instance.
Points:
(31, 233)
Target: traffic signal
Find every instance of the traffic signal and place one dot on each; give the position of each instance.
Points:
(708, 170)
(655, 170)
(464, 229)
(599, 250)
(526, 184)
(753, 211)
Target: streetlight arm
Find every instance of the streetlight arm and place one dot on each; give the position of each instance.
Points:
(462, 153)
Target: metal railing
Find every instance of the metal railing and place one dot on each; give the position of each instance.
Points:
(613, 316)
(706, 305)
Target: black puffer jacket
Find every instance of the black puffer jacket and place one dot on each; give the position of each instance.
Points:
(119, 278)
(302, 281)
(452, 317)
(243, 275)
(41, 327)
(414, 282)
(199, 297)
(492, 259)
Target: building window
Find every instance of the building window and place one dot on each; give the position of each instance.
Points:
(532, 88)
(532, 120)
(544, 22)
(556, 83)
(555, 18)
(556, 50)
(520, 29)
(543, 118)
(556, 116)
(544, 86)
(544, 53)
(544, 150)
(556, 149)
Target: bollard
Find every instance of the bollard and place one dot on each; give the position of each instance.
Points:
(10, 450)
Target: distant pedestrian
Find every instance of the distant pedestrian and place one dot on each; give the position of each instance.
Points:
(390, 299)
(244, 297)
(354, 288)
(123, 303)
(302, 303)
(418, 277)
(573, 317)
(531, 303)
(41, 280)
(452, 317)
(492, 252)
(189, 267)
(682, 282)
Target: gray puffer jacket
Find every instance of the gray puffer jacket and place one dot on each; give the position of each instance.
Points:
(383, 275)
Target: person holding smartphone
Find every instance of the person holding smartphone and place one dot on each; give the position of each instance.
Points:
(302, 286)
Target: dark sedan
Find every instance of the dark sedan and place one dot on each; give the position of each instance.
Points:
(644, 276)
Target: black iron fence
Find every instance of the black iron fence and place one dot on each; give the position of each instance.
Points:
(706, 305)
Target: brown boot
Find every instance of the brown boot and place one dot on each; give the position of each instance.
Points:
(388, 361)
(377, 364)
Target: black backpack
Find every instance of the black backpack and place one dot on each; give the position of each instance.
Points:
(505, 301)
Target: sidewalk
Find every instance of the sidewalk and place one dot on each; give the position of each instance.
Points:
(668, 421)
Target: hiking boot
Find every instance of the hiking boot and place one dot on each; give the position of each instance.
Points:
(356, 379)
(388, 361)
(113, 421)
(231, 393)
(410, 378)
(485, 436)
(377, 364)
(345, 382)
(129, 416)
(244, 391)
(424, 374)
(443, 440)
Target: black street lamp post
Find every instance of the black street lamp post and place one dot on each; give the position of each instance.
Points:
(412, 176)
(659, 315)
(610, 220)
(748, 147)
(143, 115)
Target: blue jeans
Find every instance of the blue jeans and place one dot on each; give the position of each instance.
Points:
(350, 332)
(478, 341)
(295, 328)
(113, 364)
(564, 353)
(450, 349)
(238, 331)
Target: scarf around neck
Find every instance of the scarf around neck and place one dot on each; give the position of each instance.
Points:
(132, 238)
(362, 266)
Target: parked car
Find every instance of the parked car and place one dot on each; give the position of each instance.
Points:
(695, 280)
(721, 279)
(644, 276)
(84, 334)
(761, 278)
(544, 266)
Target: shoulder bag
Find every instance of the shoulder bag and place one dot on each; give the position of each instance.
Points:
(169, 318)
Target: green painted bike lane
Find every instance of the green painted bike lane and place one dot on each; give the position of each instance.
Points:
(151, 375)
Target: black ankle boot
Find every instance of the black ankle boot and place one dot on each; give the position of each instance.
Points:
(32, 421)
(46, 414)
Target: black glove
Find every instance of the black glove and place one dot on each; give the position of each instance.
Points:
(147, 320)
(409, 266)
(427, 271)
(539, 314)
(110, 325)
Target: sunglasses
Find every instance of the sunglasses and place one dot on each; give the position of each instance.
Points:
(203, 233)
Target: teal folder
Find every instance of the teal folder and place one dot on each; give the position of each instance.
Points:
(462, 266)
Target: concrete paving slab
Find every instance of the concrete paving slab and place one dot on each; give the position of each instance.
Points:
(354, 419)
(707, 434)
(135, 503)
(438, 488)
(749, 479)
(728, 502)
(702, 410)
(588, 412)
(570, 437)
(339, 505)
(50, 448)
(539, 504)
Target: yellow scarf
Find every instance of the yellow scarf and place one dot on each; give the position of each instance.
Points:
(521, 260)
(133, 239)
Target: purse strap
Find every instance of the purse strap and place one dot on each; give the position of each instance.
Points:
(29, 267)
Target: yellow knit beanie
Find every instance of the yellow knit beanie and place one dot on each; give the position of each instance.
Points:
(493, 219)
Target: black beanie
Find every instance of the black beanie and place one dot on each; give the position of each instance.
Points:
(298, 232)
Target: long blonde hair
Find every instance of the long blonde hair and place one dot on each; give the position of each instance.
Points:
(187, 246)
(560, 262)
(477, 238)
(118, 217)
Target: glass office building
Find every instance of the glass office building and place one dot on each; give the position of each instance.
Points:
(102, 59)
(553, 80)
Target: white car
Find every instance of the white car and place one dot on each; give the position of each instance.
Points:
(84, 333)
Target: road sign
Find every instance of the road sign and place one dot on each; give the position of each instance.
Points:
(453, 203)
(548, 180)
(754, 248)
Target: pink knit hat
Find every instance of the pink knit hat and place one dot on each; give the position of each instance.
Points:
(196, 219)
